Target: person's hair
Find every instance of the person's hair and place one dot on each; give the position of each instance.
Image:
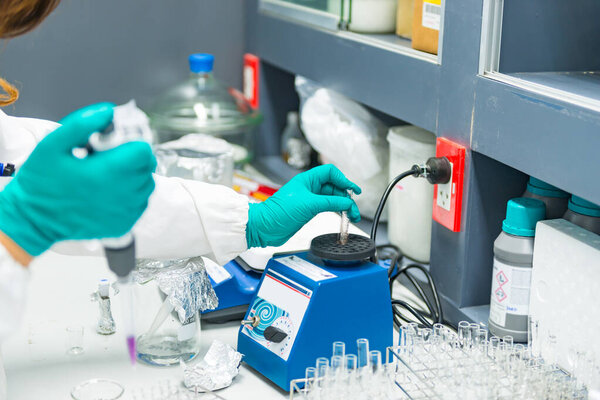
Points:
(16, 18)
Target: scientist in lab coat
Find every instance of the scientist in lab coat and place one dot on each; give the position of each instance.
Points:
(55, 197)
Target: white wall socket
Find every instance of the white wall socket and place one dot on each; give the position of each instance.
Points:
(444, 192)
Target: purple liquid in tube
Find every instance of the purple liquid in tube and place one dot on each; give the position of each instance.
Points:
(131, 348)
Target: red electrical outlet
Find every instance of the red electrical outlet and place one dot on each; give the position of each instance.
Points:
(447, 197)
(251, 74)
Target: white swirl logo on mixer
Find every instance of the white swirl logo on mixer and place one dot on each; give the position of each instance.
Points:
(268, 313)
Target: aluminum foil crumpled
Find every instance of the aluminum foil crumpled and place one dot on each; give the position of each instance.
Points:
(184, 281)
(216, 371)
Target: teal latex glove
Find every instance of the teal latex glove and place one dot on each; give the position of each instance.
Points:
(274, 221)
(56, 196)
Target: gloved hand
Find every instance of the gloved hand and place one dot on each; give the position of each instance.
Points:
(324, 188)
(56, 196)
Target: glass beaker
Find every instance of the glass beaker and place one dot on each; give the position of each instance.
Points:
(167, 316)
(74, 342)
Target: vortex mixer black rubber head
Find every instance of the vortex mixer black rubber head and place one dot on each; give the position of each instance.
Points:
(328, 247)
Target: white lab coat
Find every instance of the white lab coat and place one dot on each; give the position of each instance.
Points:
(183, 219)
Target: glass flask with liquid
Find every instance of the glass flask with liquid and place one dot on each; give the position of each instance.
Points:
(202, 104)
(168, 304)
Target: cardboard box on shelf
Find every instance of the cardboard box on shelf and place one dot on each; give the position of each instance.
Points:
(426, 25)
(404, 18)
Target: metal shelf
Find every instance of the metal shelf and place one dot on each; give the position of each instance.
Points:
(380, 71)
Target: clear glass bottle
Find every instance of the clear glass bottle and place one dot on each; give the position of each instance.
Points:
(202, 104)
(295, 150)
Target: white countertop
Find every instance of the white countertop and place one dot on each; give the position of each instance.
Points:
(35, 359)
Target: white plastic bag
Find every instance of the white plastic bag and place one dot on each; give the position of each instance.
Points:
(348, 136)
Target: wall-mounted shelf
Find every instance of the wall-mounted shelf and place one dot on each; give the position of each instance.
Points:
(381, 71)
(578, 87)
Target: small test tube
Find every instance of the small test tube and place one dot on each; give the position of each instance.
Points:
(321, 371)
(426, 333)
(376, 371)
(323, 381)
(351, 362)
(493, 346)
(310, 374)
(509, 340)
(321, 362)
(363, 352)
(375, 360)
(474, 328)
(339, 349)
(344, 227)
(464, 333)
(337, 363)
(438, 330)
(345, 224)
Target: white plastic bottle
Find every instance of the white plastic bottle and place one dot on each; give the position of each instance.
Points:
(373, 16)
(513, 261)
(411, 201)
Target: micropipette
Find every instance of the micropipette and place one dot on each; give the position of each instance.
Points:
(120, 252)
(120, 255)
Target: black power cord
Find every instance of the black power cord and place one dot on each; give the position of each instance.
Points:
(436, 170)
(414, 171)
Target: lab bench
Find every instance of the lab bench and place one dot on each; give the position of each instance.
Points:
(35, 358)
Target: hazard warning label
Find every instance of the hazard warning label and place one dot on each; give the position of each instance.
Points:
(500, 295)
(501, 278)
(510, 291)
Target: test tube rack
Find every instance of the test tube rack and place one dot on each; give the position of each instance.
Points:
(439, 363)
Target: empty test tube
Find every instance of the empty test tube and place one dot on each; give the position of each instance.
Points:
(321, 370)
(509, 340)
(339, 349)
(438, 329)
(363, 352)
(482, 335)
(310, 375)
(464, 331)
(350, 362)
(321, 362)
(494, 345)
(337, 363)
(474, 330)
(375, 360)
(426, 333)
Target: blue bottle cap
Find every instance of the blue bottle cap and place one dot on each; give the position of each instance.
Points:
(521, 216)
(584, 207)
(541, 188)
(201, 62)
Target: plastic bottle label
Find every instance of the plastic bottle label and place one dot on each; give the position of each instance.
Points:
(510, 291)
(432, 11)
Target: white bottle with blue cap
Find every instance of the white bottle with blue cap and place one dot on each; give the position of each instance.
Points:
(513, 261)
